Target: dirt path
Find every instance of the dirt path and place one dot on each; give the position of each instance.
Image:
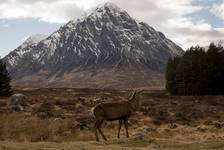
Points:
(116, 145)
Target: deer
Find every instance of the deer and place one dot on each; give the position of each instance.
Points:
(111, 111)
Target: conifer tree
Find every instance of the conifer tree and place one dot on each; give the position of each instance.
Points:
(197, 72)
(5, 87)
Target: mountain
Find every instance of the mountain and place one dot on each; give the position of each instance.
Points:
(14, 58)
(105, 49)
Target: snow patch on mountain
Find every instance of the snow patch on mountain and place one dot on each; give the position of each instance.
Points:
(34, 39)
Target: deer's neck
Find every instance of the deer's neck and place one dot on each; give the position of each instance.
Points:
(134, 102)
(133, 97)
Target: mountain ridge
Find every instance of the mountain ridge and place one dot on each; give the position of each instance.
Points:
(106, 39)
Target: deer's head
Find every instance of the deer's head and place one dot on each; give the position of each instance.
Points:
(135, 99)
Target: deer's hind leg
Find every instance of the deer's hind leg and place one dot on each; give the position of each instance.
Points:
(119, 128)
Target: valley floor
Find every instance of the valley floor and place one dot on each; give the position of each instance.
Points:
(56, 119)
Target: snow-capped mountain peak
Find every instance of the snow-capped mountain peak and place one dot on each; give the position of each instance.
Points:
(108, 38)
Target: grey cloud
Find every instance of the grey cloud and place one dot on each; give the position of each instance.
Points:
(154, 12)
(45, 10)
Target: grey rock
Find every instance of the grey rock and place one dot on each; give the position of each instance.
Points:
(172, 126)
(19, 99)
(81, 125)
(17, 107)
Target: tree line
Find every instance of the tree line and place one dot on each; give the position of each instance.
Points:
(197, 72)
(5, 87)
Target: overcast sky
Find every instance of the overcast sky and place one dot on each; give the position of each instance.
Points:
(186, 22)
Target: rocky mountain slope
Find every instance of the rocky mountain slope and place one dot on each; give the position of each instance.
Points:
(107, 48)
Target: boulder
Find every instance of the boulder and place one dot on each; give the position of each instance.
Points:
(172, 126)
(81, 125)
(17, 108)
(45, 110)
(19, 99)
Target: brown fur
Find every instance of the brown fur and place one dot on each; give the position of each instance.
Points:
(111, 111)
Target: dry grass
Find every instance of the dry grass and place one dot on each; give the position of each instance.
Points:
(163, 122)
(30, 128)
